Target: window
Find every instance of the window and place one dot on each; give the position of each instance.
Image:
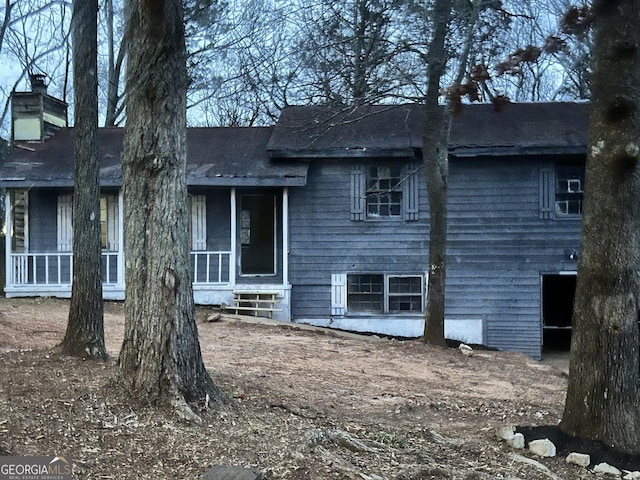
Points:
(569, 190)
(382, 192)
(562, 190)
(405, 294)
(376, 293)
(365, 293)
(245, 227)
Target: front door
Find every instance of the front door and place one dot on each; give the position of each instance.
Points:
(257, 234)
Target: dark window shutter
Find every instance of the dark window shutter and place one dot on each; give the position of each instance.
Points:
(547, 193)
(410, 193)
(358, 193)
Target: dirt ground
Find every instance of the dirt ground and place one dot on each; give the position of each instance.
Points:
(307, 404)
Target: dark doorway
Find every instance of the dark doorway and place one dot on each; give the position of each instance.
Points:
(257, 234)
(557, 307)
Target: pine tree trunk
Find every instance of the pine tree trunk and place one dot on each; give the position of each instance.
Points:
(435, 140)
(603, 396)
(85, 328)
(160, 360)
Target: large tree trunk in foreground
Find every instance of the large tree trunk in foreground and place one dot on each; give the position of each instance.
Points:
(85, 328)
(603, 397)
(160, 360)
(435, 141)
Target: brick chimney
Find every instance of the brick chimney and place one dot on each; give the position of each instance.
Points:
(36, 115)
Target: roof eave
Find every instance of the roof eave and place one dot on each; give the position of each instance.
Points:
(516, 150)
(356, 152)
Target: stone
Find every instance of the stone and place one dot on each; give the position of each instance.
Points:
(215, 317)
(631, 476)
(516, 441)
(505, 432)
(466, 350)
(607, 469)
(580, 459)
(231, 473)
(542, 448)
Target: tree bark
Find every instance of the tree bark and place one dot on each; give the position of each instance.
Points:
(160, 360)
(85, 328)
(603, 395)
(435, 140)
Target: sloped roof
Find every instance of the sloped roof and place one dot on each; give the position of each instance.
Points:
(233, 156)
(269, 156)
(396, 130)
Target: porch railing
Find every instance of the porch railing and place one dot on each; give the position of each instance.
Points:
(55, 268)
(209, 267)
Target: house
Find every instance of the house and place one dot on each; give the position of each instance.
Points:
(323, 218)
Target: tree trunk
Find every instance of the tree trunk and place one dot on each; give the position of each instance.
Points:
(85, 328)
(435, 140)
(160, 360)
(604, 376)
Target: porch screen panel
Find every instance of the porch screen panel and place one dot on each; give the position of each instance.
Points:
(65, 228)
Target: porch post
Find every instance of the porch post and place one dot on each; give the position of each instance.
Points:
(121, 278)
(285, 236)
(8, 213)
(234, 245)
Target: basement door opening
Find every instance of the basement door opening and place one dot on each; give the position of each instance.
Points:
(557, 306)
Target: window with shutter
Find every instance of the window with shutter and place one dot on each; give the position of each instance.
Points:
(378, 293)
(385, 192)
(561, 191)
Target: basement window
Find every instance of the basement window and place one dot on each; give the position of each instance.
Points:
(378, 293)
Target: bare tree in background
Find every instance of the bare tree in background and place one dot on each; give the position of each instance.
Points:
(34, 38)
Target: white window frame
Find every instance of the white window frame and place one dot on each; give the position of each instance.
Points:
(375, 194)
(568, 195)
(340, 294)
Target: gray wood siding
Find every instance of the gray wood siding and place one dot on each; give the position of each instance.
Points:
(498, 247)
(324, 239)
(43, 217)
(498, 244)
